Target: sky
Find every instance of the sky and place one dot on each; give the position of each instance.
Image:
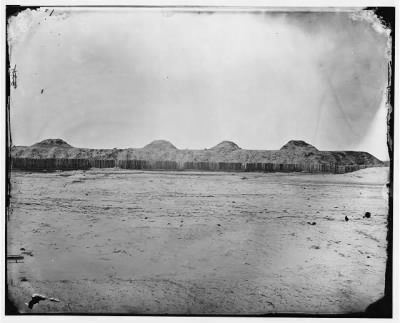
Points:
(105, 78)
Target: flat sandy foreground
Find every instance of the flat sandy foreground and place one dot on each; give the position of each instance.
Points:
(107, 241)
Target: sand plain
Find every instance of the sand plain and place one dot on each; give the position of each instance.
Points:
(118, 241)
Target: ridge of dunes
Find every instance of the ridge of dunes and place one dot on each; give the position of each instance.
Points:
(293, 152)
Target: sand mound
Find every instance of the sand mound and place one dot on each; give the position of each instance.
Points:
(52, 143)
(225, 147)
(298, 151)
(162, 145)
(298, 144)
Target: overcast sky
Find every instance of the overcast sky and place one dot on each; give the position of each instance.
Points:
(122, 78)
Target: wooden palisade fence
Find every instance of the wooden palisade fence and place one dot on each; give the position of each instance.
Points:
(51, 164)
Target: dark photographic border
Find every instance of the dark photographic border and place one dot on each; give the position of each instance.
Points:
(382, 308)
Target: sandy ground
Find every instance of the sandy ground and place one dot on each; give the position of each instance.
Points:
(197, 243)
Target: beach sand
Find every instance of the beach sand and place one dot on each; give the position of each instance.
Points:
(118, 241)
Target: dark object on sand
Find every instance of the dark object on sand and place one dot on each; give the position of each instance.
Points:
(346, 218)
(367, 215)
(312, 223)
(36, 298)
(244, 177)
(52, 299)
(15, 257)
